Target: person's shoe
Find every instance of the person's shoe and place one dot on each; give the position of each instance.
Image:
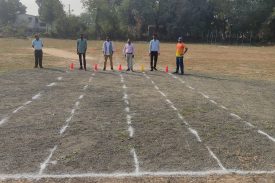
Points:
(175, 72)
(35, 67)
(128, 70)
(155, 69)
(104, 69)
(112, 69)
(152, 69)
(182, 73)
(81, 68)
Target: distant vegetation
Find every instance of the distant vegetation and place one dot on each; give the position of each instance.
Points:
(227, 21)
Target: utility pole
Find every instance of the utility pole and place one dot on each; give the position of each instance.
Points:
(69, 9)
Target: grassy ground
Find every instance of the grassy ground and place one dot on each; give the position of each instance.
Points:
(237, 61)
(97, 139)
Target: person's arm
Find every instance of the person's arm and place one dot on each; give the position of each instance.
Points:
(158, 47)
(86, 46)
(150, 48)
(124, 51)
(103, 48)
(186, 49)
(77, 44)
(133, 50)
(113, 46)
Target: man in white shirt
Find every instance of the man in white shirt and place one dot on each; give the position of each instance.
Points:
(129, 52)
(108, 51)
(37, 44)
(154, 52)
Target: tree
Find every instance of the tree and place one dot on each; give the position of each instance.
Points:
(9, 9)
(50, 10)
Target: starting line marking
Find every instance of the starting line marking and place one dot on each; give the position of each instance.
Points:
(139, 174)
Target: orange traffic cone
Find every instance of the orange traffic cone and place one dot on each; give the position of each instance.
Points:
(120, 67)
(72, 66)
(166, 69)
(96, 67)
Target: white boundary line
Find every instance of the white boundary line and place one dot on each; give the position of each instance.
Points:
(139, 174)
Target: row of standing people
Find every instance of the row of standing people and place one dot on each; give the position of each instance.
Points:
(108, 51)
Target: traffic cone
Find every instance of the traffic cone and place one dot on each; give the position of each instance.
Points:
(120, 67)
(142, 68)
(166, 69)
(96, 67)
(72, 66)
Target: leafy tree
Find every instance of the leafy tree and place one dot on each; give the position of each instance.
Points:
(9, 9)
(50, 10)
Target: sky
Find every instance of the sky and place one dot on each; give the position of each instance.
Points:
(76, 6)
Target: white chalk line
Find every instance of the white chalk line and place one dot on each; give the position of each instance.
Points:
(133, 152)
(235, 116)
(60, 78)
(27, 103)
(195, 133)
(268, 136)
(131, 131)
(139, 174)
(129, 122)
(37, 96)
(231, 114)
(44, 165)
(4, 120)
(85, 87)
(51, 84)
(216, 158)
(129, 119)
(81, 97)
(223, 107)
(204, 95)
(18, 109)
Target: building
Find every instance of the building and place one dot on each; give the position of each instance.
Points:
(31, 23)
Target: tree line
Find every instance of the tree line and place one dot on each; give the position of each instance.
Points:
(228, 21)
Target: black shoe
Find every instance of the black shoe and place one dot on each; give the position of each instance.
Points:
(112, 69)
(81, 68)
(155, 69)
(182, 73)
(152, 69)
(104, 69)
(128, 70)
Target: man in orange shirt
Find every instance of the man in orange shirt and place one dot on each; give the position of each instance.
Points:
(181, 49)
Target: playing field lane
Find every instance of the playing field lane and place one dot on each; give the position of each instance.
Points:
(28, 136)
(19, 87)
(250, 99)
(97, 139)
(161, 140)
(234, 143)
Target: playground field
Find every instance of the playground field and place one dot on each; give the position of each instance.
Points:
(214, 124)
